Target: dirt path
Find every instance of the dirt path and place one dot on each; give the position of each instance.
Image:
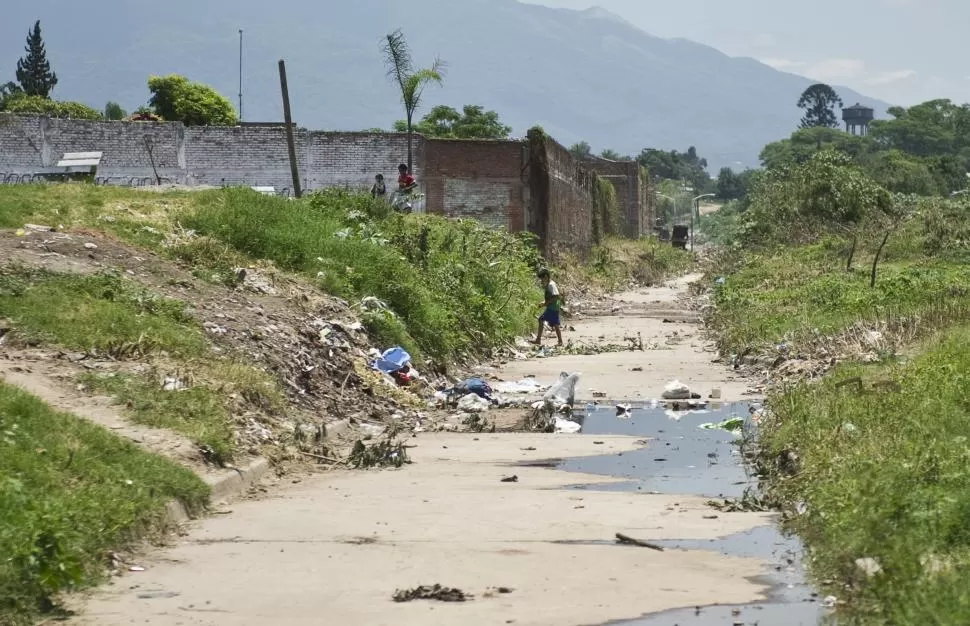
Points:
(334, 548)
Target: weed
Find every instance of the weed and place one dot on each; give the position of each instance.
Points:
(71, 492)
(385, 453)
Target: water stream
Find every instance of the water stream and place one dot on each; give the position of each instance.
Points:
(683, 458)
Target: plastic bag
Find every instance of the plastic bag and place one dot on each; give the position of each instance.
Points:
(676, 390)
(473, 403)
(563, 392)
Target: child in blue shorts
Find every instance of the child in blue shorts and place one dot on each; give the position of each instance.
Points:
(553, 306)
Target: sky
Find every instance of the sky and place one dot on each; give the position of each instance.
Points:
(901, 51)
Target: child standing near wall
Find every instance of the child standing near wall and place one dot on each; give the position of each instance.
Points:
(553, 306)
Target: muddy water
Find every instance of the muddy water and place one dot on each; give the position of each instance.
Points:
(684, 458)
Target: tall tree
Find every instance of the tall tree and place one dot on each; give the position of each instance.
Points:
(819, 102)
(473, 122)
(412, 82)
(114, 112)
(33, 70)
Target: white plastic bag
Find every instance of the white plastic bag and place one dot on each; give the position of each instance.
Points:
(676, 390)
(473, 403)
(563, 392)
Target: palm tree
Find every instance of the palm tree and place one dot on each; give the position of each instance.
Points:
(400, 69)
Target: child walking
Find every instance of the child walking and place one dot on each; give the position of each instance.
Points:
(553, 306)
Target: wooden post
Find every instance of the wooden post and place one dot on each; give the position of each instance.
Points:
(287, 116)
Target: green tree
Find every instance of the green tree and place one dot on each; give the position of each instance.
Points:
(729, 185)
(411, 81)
(114, 112)
(33, 70)
(23, 104)
(473, 122)
(901, 173)
(679, 166)
(805, 142)
(819, 102)
(177, 99)
(581, 150)
(613, 155)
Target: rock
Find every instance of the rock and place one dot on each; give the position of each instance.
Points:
(173, 384)
(91, 246)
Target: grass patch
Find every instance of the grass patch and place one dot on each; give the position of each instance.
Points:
(791, 293)
(106, 314)
(197, 412)
(71, 492)
(101, 313)
(884, 476)
(617, 262)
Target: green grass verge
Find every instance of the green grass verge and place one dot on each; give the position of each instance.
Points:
(106, 314)
(616, 262)
(71, 492)
(884, 476)
(795, 292)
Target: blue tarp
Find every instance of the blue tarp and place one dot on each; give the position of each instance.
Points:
(392, 360)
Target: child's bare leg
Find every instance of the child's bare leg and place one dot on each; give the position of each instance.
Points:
(538, 339)
(559, 334)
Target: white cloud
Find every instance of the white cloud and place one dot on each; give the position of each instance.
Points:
(839, 70)
(884, 78)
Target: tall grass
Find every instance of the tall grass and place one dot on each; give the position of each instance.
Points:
(884, 476)
(451, 287)
(71, 492)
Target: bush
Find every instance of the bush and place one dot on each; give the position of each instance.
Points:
(36, 105)
(177, 99)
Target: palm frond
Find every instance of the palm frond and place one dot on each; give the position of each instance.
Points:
(397, 57)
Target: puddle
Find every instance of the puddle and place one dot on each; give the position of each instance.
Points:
(684, 458)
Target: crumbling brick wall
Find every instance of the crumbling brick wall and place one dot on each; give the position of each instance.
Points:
(629, 186)
(561, 198)
(484, 180)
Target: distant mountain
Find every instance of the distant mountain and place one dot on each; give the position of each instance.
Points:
(582, 75)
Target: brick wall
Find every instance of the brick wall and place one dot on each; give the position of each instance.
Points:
(484, 180)
(630, 192)
(562, 198)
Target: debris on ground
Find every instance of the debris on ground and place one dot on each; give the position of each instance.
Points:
(524, 386)
(433, 592)
(626, 540)
(732, 425)
(510, 479)
(386, 453)
(493, 591)
(676, 390)
(473, 403)
(624, 411)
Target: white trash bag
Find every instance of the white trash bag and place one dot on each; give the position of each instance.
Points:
(676, 390)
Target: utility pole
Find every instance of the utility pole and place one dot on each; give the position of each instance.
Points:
(240, 73)
(289, 131)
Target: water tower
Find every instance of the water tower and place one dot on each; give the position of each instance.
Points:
(857, 119)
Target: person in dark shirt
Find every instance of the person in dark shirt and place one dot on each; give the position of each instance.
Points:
(379, 190)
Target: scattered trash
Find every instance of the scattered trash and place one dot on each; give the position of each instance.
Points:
(599, 394)
(173, 384)
(676, 390)
(869, 566)
(566, 427)
(510, 479)
(136, 568)
(564, 391)
(434, 592)
(630, 541)
(636, 369)
(383, 454)
(829, 602)
(473, 403)
(524, 386)
(733, 425)
(151, 595)
(392, 360)
(475, 386)
(491, 592)
(624, 411)
(715, 393)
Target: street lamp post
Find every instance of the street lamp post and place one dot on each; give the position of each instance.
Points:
(695, 211)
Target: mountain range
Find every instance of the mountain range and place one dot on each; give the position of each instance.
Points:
(581, 75)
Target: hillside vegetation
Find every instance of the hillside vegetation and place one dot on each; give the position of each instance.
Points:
(857, 301)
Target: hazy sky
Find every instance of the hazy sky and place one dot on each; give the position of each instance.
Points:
(901, 51)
